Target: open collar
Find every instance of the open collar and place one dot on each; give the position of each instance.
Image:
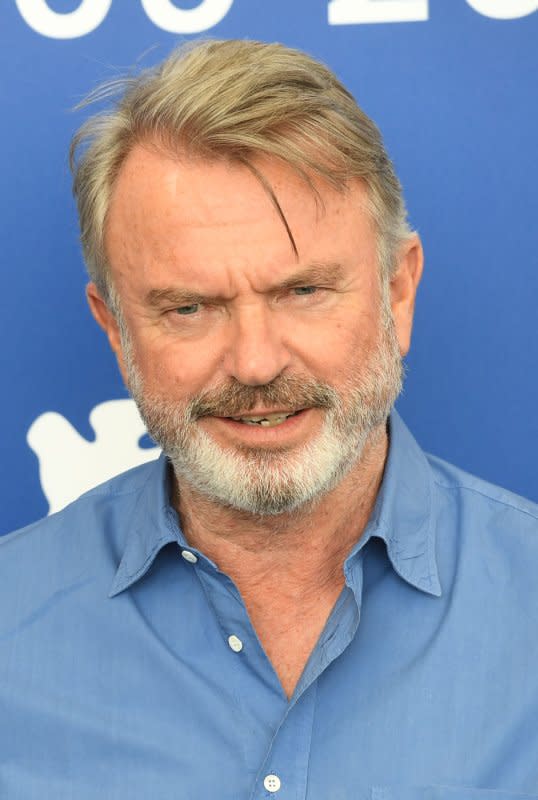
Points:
(152, 525)
(404, 513)
(403, 517)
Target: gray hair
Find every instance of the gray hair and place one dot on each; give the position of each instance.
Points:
(235, 99)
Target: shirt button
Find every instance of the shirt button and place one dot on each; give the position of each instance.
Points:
(272, 783)
(235, 643)
(188, 556)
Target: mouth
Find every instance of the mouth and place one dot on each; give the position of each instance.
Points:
(263, 419)
(265, 428)
(268, 420)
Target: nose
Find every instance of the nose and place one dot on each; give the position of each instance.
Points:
(256, 354)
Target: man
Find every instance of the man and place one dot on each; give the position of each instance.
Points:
(294, 600)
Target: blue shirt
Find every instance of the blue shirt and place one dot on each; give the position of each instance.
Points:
(119, 679)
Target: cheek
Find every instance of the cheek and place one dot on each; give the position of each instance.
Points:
(337, 354)
(180, 369)
(346, 342)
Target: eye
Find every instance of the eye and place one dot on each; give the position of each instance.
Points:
(305, 290)
(186, 311)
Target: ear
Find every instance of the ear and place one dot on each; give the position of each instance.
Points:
(403, 290)
(107, 321)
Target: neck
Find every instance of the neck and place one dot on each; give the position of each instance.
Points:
(307, 546)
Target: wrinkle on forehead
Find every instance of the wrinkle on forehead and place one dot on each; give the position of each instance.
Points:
(165, 209)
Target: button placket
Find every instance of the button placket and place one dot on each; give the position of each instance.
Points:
(289, 751)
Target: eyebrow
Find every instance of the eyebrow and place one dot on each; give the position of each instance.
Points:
(174, 296)
(316, 273)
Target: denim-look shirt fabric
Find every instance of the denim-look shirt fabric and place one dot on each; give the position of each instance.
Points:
(129, 669)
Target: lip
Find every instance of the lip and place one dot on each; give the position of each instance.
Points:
(285, 433)
(263, 412)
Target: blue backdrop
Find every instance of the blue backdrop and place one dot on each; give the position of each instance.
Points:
(452, 84)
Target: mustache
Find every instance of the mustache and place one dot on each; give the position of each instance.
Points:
(291, 392)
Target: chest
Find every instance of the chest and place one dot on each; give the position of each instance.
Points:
(289, 628)
(143, 696)
(167, 708)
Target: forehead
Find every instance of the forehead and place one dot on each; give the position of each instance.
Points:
(187, 215)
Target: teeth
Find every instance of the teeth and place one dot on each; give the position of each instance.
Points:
(267, 422)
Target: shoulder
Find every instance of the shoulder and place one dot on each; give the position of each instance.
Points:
(452, 479)
(60, 569)
(100, 511)
(483, 514)
(73, 553)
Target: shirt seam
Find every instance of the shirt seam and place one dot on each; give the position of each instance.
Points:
(31, 527)
(106, 490)
(487, 496)
(113, 493)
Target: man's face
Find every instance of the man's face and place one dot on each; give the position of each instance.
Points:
(261, 373)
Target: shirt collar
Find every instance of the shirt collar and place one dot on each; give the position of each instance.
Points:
(153, 524)
(402, 517)
(403, 514)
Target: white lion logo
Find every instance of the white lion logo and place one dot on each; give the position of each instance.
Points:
(69, 465)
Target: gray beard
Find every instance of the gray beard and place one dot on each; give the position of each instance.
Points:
(264, 481)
